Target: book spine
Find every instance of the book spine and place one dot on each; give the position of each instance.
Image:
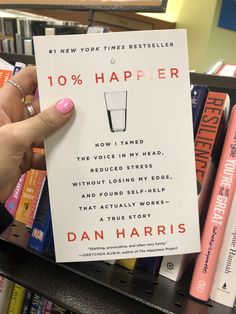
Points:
(217, 216)
(224, 285)
(5, 75)
(47, 308)
(149, 264)
(173, 266)
(128, 263)
(35, 304)
(6, 288)
(12, 202)
(198, 98)
(207, 132)
(41, 234)
(17, 299)
(31, 190)
(27, 302)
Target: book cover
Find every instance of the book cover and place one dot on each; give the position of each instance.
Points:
(6, 288)
(123, 155)
(224, 285)
(41, 234)
(17, 299)
(217, 216)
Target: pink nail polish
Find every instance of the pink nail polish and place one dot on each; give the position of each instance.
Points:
(65, 105)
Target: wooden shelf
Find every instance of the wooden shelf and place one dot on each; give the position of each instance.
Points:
(121, 5)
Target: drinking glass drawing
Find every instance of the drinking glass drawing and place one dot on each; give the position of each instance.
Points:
(116, 103)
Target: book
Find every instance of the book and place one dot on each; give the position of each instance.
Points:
(6, 288)
(210, 137)
(120, 166)
(41, 237)
(47, 307)
(128, 263)
(217, 215)
(17, 299)
(217, 104)
(36, 304)
(27, 302)
(149, 264)
(223, 289)
(198, 98)
(12, 202)
(30, 194)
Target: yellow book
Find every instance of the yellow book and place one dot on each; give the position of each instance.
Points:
(17, 299)
(128, 263)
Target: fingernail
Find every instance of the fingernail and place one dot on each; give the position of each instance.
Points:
(65, 105)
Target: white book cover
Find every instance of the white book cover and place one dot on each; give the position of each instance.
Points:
(224, 286)
(121, 173)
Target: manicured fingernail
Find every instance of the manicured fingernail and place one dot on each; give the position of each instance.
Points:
(65, 105)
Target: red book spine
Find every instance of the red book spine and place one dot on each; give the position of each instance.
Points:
(217, 215)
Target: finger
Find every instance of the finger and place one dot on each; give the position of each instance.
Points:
(11, 98)
(45, 123)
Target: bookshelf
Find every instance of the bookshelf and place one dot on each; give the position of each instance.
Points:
(97, 287)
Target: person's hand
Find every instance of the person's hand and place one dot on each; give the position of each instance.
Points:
(19, 132)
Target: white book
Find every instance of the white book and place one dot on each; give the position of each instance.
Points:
(28, 46)
(174, 266)
(6, 288)
(118, 170)
(224, 286)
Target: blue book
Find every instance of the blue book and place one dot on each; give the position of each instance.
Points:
(227, 15)
(27, 302)
(198, 97)
(41, 238)
(149, 264)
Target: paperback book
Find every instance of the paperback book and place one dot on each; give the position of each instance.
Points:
(116, 169)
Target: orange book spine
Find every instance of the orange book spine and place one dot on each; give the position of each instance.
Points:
(217, 216)
(31, 190)
(215, 105)
(4, 76)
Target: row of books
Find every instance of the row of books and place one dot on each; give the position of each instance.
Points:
(215, 153)
(17, 30)
(16, 299)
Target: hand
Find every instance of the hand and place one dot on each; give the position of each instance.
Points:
(19, 133)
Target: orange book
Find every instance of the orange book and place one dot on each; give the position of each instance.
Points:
(4, 76)
(30, 195)
(217, 216)
(216, 106)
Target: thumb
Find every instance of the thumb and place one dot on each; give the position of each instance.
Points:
(46, 122)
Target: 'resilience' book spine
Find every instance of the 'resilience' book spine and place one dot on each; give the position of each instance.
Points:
(217, 216)
(224, 285)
